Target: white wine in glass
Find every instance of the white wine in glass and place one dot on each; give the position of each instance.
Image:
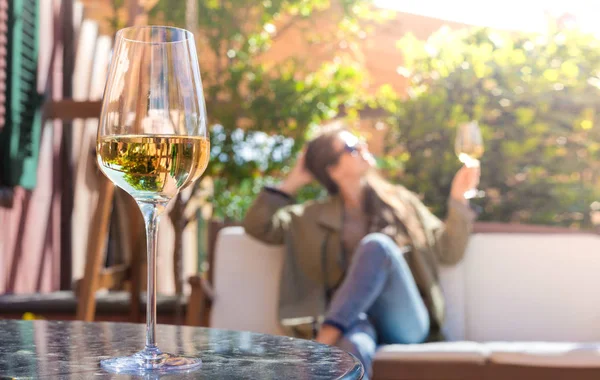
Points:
(153, 166)
(468, 146)
(152, 142)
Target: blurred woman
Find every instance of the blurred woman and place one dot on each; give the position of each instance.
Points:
(364, 261)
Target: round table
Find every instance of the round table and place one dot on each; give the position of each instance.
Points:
(73, 350)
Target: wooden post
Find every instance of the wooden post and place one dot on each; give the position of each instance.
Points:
(86, 307)
(135, 13)
(68, 189)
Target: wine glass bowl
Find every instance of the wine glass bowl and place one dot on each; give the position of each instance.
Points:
(468, 145)
(469, 148)
(152, 142)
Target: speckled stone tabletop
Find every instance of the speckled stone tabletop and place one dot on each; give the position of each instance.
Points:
(73, 350)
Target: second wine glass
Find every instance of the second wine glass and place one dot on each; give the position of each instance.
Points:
(152, 142)
(468, 146)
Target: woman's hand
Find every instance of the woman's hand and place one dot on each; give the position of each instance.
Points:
(298, 177)
(328, 335)
(466, 178)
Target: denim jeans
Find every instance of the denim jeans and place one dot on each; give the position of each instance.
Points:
(378, 302)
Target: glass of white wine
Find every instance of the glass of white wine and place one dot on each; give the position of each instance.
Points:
(152, 142)
(469, 149)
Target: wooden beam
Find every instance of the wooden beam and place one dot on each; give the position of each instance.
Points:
(69, 109)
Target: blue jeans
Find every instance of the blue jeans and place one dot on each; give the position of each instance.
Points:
(378, 301)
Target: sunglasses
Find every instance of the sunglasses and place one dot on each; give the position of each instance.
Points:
(352, 145)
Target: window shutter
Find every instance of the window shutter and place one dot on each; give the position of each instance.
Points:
(20, 136)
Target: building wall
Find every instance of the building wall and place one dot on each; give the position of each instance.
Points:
(30, 229)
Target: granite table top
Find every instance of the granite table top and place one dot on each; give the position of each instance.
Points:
(73, 350)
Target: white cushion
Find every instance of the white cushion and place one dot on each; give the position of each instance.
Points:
(439, 352)
(452, 281)
(533, 287)
(545, 354)
(246, 285)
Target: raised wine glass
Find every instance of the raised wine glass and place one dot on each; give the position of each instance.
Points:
(152, 142)
(469, 149)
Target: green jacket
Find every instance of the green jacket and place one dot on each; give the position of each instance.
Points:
(312, 239)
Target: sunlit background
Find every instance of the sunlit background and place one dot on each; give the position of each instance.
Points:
(402, 73)
(518, 15)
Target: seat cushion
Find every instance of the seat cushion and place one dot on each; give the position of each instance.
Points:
(470, 352)
(545, 354)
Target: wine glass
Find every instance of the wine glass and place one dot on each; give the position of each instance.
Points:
(469, 148)
(152, 142)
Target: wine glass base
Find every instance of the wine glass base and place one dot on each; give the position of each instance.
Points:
(139, 363)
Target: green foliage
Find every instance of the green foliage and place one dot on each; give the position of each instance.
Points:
(537, 100)
(234, 201)
(114, 20)
(261, 113)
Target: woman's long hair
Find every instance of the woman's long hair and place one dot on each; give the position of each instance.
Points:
(320, 155)
(386, 212)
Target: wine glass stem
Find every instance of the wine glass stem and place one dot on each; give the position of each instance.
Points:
(151, 212)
